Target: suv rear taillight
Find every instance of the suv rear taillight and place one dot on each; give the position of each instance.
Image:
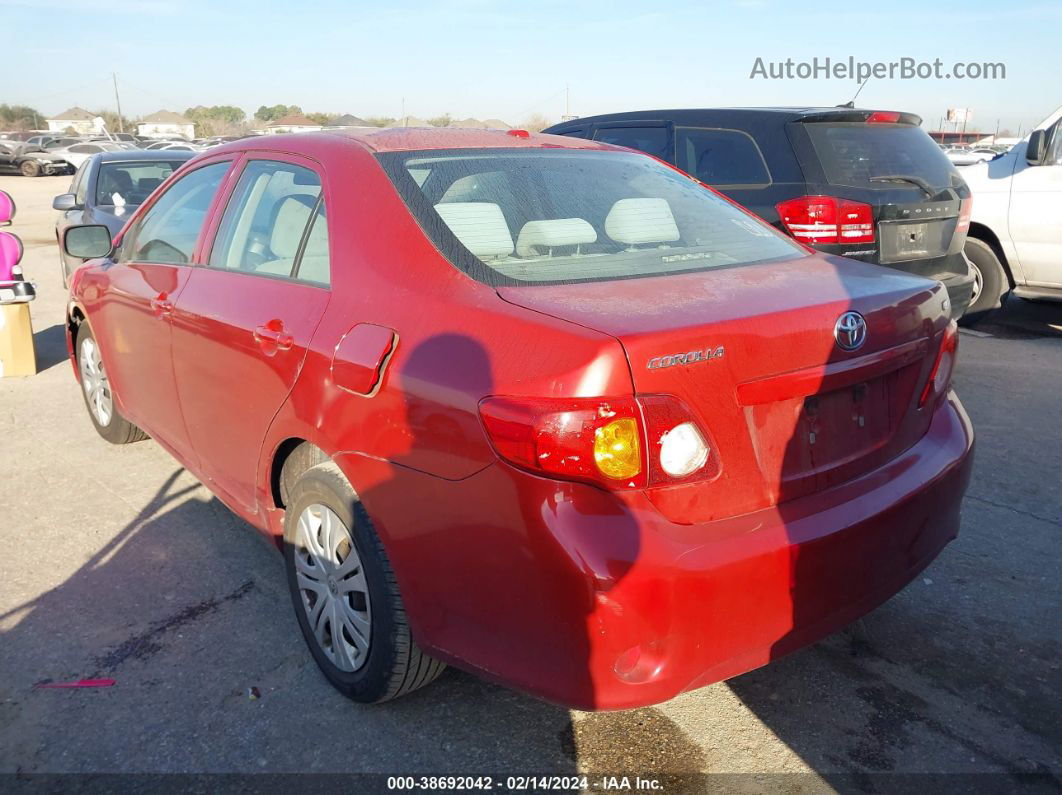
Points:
(826, 219)
(965, 214)
(943, 367)
(619, 443)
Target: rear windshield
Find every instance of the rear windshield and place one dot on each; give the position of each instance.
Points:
(853, 153)
(552, 216)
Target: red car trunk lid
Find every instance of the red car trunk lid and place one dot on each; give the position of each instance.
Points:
(752, 351)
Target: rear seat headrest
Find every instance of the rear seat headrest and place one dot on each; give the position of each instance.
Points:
(480, 226)
(538, 235)
(634, 221)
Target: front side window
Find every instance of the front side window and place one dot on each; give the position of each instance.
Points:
(1054, 152)
(275, 224)
(126, 183)
(655, 141)
(168, 231)
(549, 216)
(720, 157)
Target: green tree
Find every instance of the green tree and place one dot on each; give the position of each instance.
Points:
(228, 114)
(378, 121)
(440, 121)
(20, 117)
(274, 112)
(320, 118)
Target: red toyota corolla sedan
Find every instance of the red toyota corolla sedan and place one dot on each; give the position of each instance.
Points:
(547, 410)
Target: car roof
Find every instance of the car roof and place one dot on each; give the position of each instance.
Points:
(144, 155)
(686, 114)
(406, 139)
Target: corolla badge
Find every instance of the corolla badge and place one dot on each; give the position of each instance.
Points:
(850, 331)
(690, 357)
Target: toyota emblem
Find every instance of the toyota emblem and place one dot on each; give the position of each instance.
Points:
(850, 331)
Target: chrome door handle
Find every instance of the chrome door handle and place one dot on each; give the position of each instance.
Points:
(161, 305)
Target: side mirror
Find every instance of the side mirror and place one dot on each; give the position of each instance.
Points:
(88, 241)
(7, 208)
(1037, 148)
(66, 201)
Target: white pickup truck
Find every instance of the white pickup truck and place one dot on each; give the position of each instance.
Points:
(1015, 239)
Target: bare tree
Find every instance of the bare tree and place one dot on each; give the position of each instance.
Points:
(536, 122)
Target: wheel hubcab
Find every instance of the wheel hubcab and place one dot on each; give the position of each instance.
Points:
(94, 382)
(332, 584)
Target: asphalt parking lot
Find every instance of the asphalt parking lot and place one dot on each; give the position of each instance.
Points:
(117, 563)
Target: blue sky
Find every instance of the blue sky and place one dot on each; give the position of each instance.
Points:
(486, 58)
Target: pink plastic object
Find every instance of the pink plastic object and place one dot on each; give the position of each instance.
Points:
(7, 208)
(78, 683)
(10, 254)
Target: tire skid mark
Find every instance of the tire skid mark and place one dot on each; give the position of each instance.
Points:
(147, 643)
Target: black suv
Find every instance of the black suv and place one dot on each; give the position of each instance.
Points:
(865, 184)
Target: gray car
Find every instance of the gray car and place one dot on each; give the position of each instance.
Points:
(107, 188)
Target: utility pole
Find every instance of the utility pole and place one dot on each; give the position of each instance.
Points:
(117, 102)
(567, 100)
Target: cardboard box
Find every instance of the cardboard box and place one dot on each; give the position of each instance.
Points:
(17, 355)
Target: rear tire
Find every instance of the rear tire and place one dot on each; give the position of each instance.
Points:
(29, 168)
(991, 281)
(96, 390)
(357, 591)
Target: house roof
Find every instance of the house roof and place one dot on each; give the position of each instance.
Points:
(165, 117)
(293, 120)
(73, 114)
(346, 120)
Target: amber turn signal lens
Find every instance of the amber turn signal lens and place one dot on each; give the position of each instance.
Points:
(616, 449)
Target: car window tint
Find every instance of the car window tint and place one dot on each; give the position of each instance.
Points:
(168, 232)
(267, 219)
(128, 184)
(852, 153)
(720, 157)
(652, 140)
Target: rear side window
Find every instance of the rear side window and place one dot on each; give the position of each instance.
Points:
(720, 157)
(275, 224)
(168, 231)
(655, 141)
(852, 153)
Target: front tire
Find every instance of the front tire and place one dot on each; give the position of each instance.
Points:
(345, 594)
(96, 389)
(28, 168)
(990, 281)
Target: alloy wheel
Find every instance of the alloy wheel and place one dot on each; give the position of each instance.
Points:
(979, 282)
(332, 584)
(94, 382)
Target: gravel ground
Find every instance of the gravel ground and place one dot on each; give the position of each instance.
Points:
(118, 563)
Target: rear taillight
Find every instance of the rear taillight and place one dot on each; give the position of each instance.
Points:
(620, 443)
(943, 367)
(965, 214)
(826, 219)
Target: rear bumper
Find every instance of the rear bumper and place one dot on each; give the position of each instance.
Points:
(608, 605)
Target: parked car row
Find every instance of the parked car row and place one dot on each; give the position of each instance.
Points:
(75, 150)
(670, 439)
